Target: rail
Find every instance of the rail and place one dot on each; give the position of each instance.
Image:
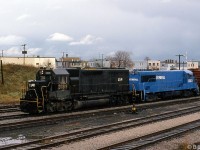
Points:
(91, 132)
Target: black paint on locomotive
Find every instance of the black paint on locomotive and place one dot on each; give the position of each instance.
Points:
(66, 89)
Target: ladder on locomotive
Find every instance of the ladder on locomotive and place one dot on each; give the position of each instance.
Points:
(40, 103)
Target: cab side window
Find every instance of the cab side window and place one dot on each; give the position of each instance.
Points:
(62, 82)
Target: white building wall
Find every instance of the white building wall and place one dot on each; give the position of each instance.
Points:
(34, 61)
(91, 64)
(185, 66)
(140, 65)
(192, 65)
(143, 64)
(154, 64)
(168, 66)
(98, 63)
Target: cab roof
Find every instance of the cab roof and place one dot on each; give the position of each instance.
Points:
(60, 71)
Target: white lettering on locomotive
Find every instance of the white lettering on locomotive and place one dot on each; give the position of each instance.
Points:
(190, 80)
(133, 79)
(120, 79)
(160, 77)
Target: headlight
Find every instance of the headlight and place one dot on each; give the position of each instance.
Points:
(32, 85)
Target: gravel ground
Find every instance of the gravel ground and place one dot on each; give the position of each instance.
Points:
(106, 140)
(26, 134)
(181, 143)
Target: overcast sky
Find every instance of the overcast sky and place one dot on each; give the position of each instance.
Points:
(159, 29)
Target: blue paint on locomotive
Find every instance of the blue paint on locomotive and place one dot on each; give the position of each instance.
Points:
(161, 84)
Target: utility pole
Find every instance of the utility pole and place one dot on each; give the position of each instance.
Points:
(62, 59)
(2, 80)
(102, 60)
(179, 56)
(24, 52)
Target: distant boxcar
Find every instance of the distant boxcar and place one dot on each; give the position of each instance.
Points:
(163, 84)
(196, 73)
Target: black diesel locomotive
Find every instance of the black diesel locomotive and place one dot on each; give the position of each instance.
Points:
(66, 89)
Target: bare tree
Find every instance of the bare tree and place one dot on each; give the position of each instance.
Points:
(121, 59)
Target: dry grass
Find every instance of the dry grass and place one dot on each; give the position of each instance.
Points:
(15, 77)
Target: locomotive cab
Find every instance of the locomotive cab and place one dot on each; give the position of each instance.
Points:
(61, 79)
(59, 89)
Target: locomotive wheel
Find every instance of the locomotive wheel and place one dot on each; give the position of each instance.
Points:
(119, 100)
(67, 106)
(59, 106)
(125, 100)
(50, 108)
(187, 93)
(112, 100)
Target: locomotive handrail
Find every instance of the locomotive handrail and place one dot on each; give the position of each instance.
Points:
(34, 91)
(43, 96)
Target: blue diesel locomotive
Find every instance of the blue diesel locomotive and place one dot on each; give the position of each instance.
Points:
(148, 85)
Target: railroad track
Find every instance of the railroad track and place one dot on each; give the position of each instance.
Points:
(5, 109)
(13, 116)
(91, 132)
(42, 120)
(13, 108)
(150, 139)
(8, 106)
(9, 110)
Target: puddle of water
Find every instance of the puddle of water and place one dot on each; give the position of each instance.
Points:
(10, 140)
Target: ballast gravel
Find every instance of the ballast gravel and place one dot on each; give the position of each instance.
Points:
(116, 137)
(184, 142)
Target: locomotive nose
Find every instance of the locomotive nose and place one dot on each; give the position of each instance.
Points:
(27, 107)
